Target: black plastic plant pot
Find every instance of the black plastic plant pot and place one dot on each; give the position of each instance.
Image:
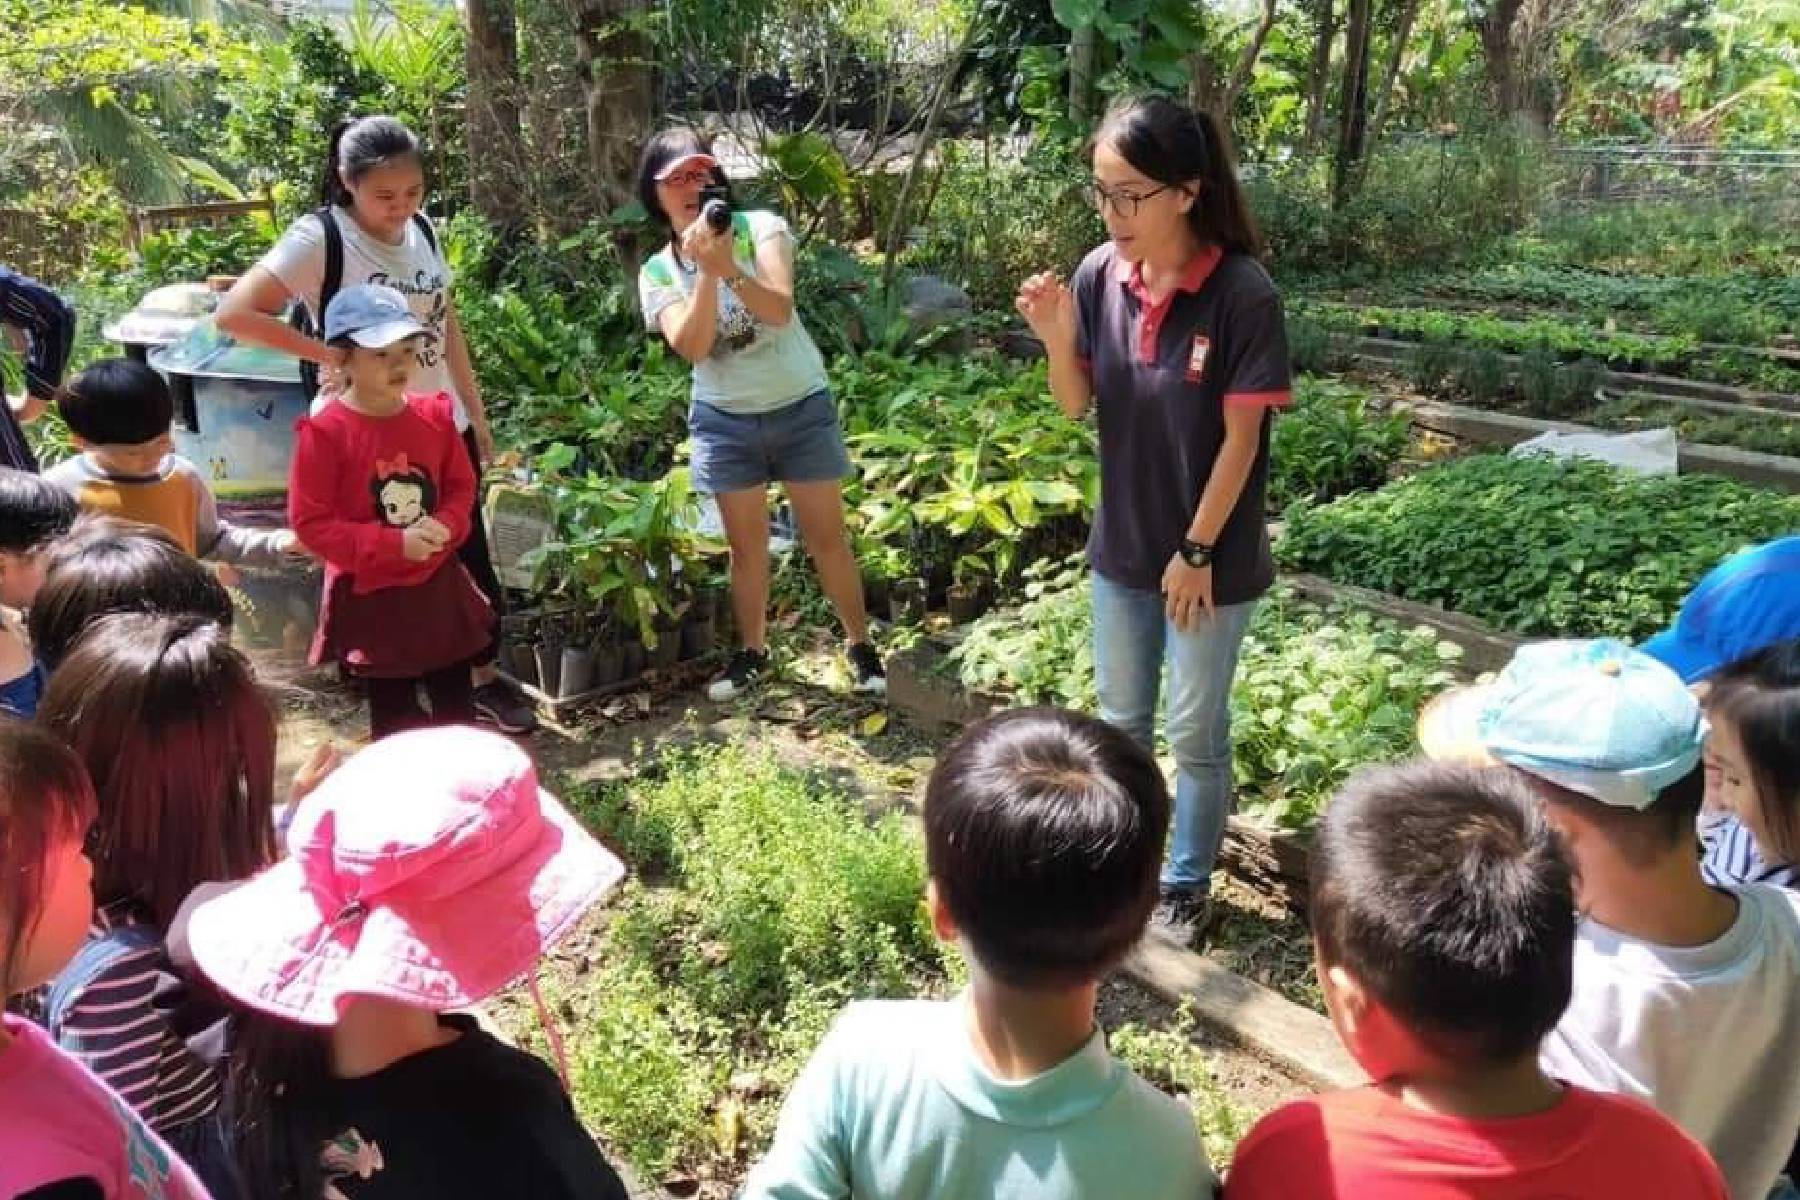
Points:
(549, 667)
(875, 593)
(906, 602)
(524, 664)
(708, 601)
(609, 663)
(697, 638)
(631, 658)
(966, 602)
(667, 651)
(577, 672)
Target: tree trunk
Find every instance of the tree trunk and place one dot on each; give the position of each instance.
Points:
(494, 130)
(896, 232)
(1493, 21)
(1081, 74)
(1353, 119)
(1246, 63)
(618, 93)
(1318, 80)
(1409, 12)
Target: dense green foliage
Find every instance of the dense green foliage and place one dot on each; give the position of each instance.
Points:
(1537, 546)
(1318, 692)
(772, 902)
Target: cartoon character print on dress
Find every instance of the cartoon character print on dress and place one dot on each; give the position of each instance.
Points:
(348, 1156)
(404, 492)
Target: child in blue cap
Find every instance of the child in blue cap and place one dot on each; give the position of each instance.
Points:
(1734, 636)
(1684, 994)
(381, 489)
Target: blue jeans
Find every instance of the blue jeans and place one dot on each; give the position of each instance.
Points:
(1133, 638)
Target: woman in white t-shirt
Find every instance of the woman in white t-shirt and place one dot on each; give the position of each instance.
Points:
(374, 187)
(762, 409)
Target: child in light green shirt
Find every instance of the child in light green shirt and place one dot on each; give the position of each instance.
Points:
(1044, 834)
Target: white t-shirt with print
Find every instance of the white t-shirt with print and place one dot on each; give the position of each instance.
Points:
(753, 367)
(1708, 1035)
(411, 268)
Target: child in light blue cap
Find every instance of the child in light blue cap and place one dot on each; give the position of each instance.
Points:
(1684, 994)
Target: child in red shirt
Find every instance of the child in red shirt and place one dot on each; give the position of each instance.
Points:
(381, 489)
(1443, 914)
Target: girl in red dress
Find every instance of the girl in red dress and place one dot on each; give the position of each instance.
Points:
(381, 489)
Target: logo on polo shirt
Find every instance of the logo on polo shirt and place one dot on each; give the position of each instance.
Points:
(1197, 357)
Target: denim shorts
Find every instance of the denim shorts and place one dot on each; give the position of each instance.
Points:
(801, 443)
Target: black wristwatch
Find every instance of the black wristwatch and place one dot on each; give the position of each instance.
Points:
(1196, 554)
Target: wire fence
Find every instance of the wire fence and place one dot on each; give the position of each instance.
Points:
(1606, 173)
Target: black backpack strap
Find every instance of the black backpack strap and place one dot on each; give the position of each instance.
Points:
(424, 224)
(333, 278)
(313, 323)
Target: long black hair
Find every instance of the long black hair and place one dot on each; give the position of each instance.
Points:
(1759, 696)
(672, 145)
(359, 145)
(278, 1090)
(1174, 144)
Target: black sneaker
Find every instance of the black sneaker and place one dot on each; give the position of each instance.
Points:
(741, 674)
(504, 709)
(867, 674)
(1182, 915)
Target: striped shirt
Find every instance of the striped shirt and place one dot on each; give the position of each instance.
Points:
(119, 1019)
(1730, 856)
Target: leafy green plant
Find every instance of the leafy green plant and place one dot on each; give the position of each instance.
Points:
(1318, 692)
(1480, 374)
(1770, 433)
(1562, 341)
(1535, 545)
(1540, 389)
(1170, 1059)
(626, 548)
(1042, 651)
(791, 888)
(775, 902)
(996, 218)
(1432, 363)
(1309, 345)
(1332, 442)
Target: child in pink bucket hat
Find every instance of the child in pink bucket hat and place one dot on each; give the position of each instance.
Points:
(429, 872)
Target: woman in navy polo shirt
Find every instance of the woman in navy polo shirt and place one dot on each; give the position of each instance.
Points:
(1174, 333)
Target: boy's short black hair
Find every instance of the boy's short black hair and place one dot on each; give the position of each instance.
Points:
(1446, 892)
(117, 402)
(33, 511)
(1044, 835)
(1643, 837)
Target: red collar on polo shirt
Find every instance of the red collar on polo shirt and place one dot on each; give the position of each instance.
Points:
(1152, 312)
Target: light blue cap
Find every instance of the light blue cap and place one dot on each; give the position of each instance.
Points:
(1596, 717)
(371, 315)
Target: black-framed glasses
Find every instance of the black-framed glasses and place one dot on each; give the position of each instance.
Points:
(1124, 204)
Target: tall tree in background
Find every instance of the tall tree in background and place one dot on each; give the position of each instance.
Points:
(1207, 90)
(619, 93)
(1493, 21)
(1318, 78)
(1353, 115)
(1384, 91)
(494, 130)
